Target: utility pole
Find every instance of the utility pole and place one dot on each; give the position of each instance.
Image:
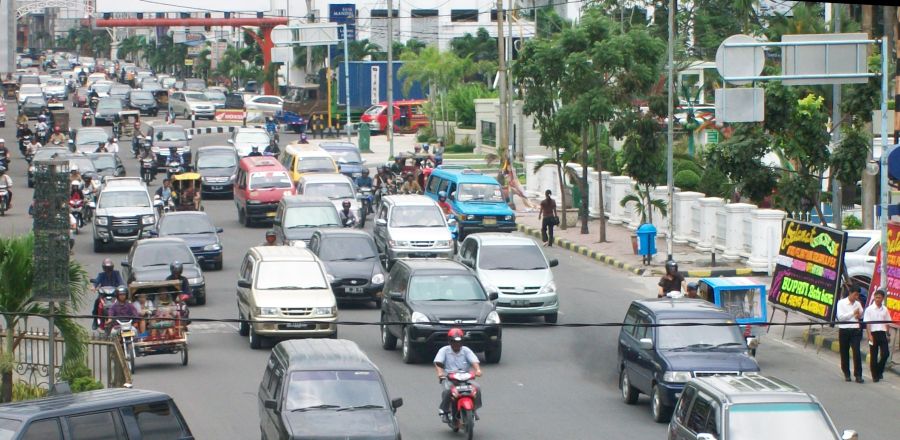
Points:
(869, 182)
(510, 99)
(670, 134)
(310, 17)
(390, 76)
(836, 214)
(503, 144)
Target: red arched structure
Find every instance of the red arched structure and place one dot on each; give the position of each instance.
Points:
(264, 40)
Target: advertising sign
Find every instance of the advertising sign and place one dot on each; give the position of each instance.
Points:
(191, 6)
(344, 14)
(229, 115)
(808, 269)
(892, 299)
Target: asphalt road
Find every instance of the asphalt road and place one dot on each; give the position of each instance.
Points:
(551, 382)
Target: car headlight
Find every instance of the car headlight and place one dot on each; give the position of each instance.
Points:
(198, 280)
(231, 178)
(102, 221)
(509, 218)
(470, 217)
(677, 376)
(253, 202)
(442, 243)
(419, 318)
(378, 278)
(492, 318)
(324, 311)
(148, 220)
(267, 311)
(398, 243)
(212, 247)
(549, 288)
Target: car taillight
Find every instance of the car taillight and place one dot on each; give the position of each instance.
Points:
(747, 331)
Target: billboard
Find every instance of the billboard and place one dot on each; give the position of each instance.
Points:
(344, 14)
(892, 299)
(132, 6)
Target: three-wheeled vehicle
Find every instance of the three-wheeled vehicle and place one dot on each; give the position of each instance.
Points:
(60, 118)
(742, 298)
(163, 331)
(187, 187)
(124, 124)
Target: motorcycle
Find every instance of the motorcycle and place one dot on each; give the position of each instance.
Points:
(173, 167)
(89, 205)
(163, 206)
(462, 403)
(365, 198)
(106, 296)
(147, 168)
(23, 143)
(75, 208)
(42, 135)
(126, 337)
(4, 199)
(87, 118)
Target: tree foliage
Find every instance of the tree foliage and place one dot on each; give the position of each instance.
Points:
(461, 101)
(739, 158)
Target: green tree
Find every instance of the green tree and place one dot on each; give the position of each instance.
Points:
(440, 71)
(739, 158)
(479, 47)
(714, 21)
(804, 143)
(461, 101)
(16, 273)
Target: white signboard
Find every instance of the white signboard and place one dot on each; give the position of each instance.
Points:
(824, 59)
(314, 34)
(191, 6)
(740, 105)
(375, 84)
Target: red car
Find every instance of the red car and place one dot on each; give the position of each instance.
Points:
(80, 98)
(260, 184)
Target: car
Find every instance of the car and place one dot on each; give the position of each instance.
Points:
(335, 187)
(142, 101)
(411, 226)
(194, 84)
(475, 198)
(149, 260)
(656, 358)
(750, 407)
(88, 139)
(107, 111)
(298, 217)
(81, 97)
(350, 257)
(43, 153)
(56, 88)
(260, 184)
(27, 91)
(216, 97)
(185, 104)
(124, 214)
(245, 138)
(860, 253)
(304, 373)
(234, 101)
(283, 292)
(101, 88)
(120, 91)
(426, 298)
(301, 159)
(107, 164)
(264, 103)
(165, 136)
(33, 106)
(517, 268)
(217, 166)
(79, 161)
(347, 157)
(196, 228)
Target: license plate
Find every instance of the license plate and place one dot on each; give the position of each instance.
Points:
(270, 214)
(126, 231)
(353, 289)
(490, 221)
(127, 334)
(422, 255)
(298, 325)
(217, 187)
(519, 303)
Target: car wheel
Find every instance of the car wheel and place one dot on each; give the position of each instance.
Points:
(388, 340)
(492, 355)
(660, 412)
(255, 339)
(629, 393)
(241, 216)
(408, 353)
(201, 299)
(248, 222)
(243, 326)
(551, 318)
(378, 302)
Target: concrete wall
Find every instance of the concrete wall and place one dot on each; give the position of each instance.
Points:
(526, 138)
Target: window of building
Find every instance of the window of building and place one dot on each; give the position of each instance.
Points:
(469, 15)
(422, 13)
(383, 13)
(488, 133)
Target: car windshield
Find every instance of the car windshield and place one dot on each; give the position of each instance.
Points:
(345, 155)
(310, 217)
(374, 110)
(308, 164)
(171, 135)
(124, 199)
(35, 101)
(252, 137)
(281, 275)
(212, 160)
(267, 180)
(416, 217)
(91, 137)
(511, 257)
(110, 104)
(55, 83)
(335, 391)
(483, 192)
(84, 164)
(195, 96)
(30, 90)
(119, 90)
(214, 96)
(141, 96)
(150, 255)
(47, 153)
(348, 249)
(804, 421)
(185, 224)
(104, 162)
(445, 288)
(102, 87)
(335, 190)
(697, 336)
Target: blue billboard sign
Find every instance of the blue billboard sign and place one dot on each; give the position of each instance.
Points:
(344, 13)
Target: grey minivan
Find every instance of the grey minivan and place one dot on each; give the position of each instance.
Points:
(325, 388)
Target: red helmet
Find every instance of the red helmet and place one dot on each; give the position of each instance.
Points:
(455, 334)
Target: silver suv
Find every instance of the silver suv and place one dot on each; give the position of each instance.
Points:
(124, 214)
(411, 226)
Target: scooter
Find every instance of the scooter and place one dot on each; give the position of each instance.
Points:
(4, 199)
(126, 337)
(106, 296)
(462, 403)
(75, 207)
(365, 198)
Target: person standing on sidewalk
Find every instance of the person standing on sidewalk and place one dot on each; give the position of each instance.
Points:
(849, 314)
(548, 216)
(878, 339)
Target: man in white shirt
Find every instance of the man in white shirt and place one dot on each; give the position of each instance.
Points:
(113, 145)
(878, 339)
(849, 313)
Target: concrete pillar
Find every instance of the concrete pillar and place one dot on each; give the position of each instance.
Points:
(684, 212)
(531, 179)
(547, 178)
(735, 216)
(7, 37)
(707, 232)
(607, 201)
(766, 235)
(659, 220)
(619, 187)
(594, 208)
(634, 218)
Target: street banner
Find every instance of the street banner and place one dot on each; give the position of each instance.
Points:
(892, 299)
(808, 269)
(223, 115)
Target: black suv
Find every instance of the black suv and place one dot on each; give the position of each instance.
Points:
(351, 258)
(234, 101)
(658, 361)
(426, 298)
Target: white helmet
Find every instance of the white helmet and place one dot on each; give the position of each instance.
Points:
(2, 141)
(74, 167)
(77, 183)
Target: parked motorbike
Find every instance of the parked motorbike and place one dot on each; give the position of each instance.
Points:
(462, 403)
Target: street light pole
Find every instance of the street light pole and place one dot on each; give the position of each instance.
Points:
(390, 76)
(885, 152)
(670, 133)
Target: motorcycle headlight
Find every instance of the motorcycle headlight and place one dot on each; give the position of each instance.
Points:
(324, 311)
(212, 247)
(378, 278)
(198, 280)
(549, 287)
(677, 376)
(102, 221)
(492, 318)
(267, 311)
(419, 318)
(148, 220)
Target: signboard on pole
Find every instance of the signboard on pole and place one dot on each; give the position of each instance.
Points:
(892, 297)
(822, 60)
(344, 13)
(808, 269)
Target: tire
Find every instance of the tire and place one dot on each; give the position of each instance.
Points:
(98, 246)
(492, 355)
(388, 340)
(201, 299)
(551, 318)
(255, 339)
(468, 418)
(378, 302)
(660, 412)
(184, 356)
(243, 326)
(248, 222)
(129, 356)
(629, 393)
(241, 215)
(408, 353)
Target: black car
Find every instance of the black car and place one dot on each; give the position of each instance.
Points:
(149, 260)
(107, 110)
(217, 167)
(658, 361)
(352, 260)
(32, 106)
(143, 101)
(107, 164)
(198, 231)
(234, 101)
(435, 296)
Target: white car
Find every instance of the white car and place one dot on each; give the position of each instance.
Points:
(56, 88)
(27, 91)
(517, 269)
(265, 103)
(859, 256)
(245, 138)
(335, 187)
(185, 103)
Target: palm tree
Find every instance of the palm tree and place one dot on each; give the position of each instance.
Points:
(16, 273)
(131, 47)
(439, 70)
(644, 203)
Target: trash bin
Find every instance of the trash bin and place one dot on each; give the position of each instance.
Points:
(364, 137)
(646, 235)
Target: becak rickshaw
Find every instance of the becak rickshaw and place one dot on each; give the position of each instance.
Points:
(743, 299)
(162, 328)
(125, 123)
(187, 188)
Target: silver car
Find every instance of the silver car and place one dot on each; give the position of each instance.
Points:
(187, 103)
(411, 226)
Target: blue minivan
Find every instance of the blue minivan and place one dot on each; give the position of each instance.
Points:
(476, 199)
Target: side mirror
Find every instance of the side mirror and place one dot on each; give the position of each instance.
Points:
(706, 436)
(396, 403)
(553, 262)
(380, 222)
(244, 284)
(646, 343)
(395, 296)
(270, 404)
(849, 434)
(125, 263)
(493, 295)
(230, 141)
(219, 230)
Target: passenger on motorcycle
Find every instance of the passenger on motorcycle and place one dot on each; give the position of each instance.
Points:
(442, 202)
(364, 181)
(254, 152)
(455, 358)
(58, 137)
(4, 152)
(6, 181)
(348, 218)
(175, 270)
(121, 309)
(410, 186)
(33, 146)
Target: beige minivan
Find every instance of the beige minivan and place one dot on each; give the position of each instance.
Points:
(283, 292)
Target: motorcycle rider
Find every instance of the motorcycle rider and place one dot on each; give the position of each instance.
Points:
(455, 358)
(76, 198)
(303, 138)
(41, 128)
(74, 175)
(271, 128)
(364, 181)
(672, 281)
(410, 186)
(254, 151)
(442, 202)
(348, 218)
(6, 181)
(113, 145)
(121, 309)
(136, 138)
(33, 146)
(174, 157)
(4, 152)
(108, 276)
(22, 119)
(58, 137)
(101, 148)
(165, 191)
(147, 156)
(270, 238)
(175, 270)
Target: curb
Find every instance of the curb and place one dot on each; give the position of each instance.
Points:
(710, 273)
(566, 244)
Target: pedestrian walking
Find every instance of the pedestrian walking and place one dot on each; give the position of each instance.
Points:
(878, 337)
(849, 315)
(550, 218)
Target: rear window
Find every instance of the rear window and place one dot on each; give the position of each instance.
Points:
(158, 421)
(42, 430)
(856, 243)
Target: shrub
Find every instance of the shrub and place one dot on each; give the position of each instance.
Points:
(465, 148)
(852, 222)
(461, 101)
(689, 165)
(687, 180)
(23, 391)
(714, 184)
(80, 378)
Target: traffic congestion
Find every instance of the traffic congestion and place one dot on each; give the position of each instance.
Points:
(264, 283)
